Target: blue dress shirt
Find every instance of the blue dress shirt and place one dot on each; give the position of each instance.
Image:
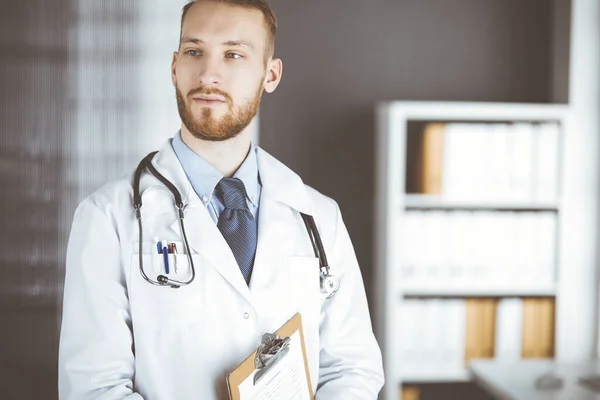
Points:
(204, 178)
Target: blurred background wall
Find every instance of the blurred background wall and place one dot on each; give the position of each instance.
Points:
(85, 92)
(36, 115)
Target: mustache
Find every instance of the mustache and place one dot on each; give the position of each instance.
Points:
(207, 91)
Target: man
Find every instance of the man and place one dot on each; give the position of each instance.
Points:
(253, 263)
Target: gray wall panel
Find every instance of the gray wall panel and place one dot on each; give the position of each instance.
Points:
(34, 114)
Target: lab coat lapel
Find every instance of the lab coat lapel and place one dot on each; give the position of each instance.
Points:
(276, 237)
(279, 223)
(281, 184)
(167, 163)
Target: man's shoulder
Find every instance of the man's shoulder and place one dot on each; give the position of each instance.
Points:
(323, 204)
(292, 182)
(113, 194)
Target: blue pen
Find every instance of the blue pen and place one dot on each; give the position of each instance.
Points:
(156, 257)
(165, 251)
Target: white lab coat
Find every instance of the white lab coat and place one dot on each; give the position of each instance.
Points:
(123, 338)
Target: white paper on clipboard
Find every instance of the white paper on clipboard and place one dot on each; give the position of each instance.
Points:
(285, 380)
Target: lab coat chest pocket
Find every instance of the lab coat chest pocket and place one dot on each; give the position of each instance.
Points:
(151, 304)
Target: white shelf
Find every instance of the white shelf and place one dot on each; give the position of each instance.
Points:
(478, 292)
(457, 376)
(393, 207)
(475, 111)
(422, 201)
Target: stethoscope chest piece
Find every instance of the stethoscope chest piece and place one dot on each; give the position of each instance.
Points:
(329, 285)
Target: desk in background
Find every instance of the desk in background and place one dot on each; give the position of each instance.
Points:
(517, 381)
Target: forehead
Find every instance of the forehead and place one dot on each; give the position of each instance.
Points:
(218, 22)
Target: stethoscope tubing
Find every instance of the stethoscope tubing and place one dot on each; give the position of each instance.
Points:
(162, 280)
(315, 240)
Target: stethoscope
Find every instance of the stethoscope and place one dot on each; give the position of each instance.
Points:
(329, 283)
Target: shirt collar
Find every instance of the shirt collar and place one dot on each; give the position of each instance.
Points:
(248, 174)
(204, 177)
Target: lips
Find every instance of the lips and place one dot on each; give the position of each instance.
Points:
(209, 98)
(209, 101)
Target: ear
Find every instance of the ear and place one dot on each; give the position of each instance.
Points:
(274, 73)
(173, 69)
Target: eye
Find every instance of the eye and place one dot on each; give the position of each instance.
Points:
(233, 56)
(193, 53)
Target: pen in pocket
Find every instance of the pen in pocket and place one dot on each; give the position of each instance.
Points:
(174, 251)
(165, 252)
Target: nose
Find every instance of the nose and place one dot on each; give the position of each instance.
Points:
(209, 72)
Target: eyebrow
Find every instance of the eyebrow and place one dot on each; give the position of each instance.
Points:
(231, 43)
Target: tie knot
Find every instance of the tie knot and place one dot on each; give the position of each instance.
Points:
(233, 193)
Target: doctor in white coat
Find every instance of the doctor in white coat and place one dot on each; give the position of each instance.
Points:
(125, 338)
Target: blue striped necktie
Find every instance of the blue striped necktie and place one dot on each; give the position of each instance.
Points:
(236, 223)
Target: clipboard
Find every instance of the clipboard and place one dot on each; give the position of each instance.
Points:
(240, 375)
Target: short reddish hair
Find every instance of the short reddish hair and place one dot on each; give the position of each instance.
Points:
(261, 5)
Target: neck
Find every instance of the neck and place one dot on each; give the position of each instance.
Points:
(226, 156)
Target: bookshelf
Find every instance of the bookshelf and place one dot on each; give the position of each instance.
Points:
(445, 292)
(473, 228)
(424, 202)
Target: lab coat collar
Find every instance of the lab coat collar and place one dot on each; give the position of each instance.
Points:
(282, 184)
(279, 182)
(167, 163)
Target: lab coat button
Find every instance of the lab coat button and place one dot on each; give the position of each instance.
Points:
(246, 315)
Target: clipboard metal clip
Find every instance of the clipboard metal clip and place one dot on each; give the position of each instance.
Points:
(272, 348)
